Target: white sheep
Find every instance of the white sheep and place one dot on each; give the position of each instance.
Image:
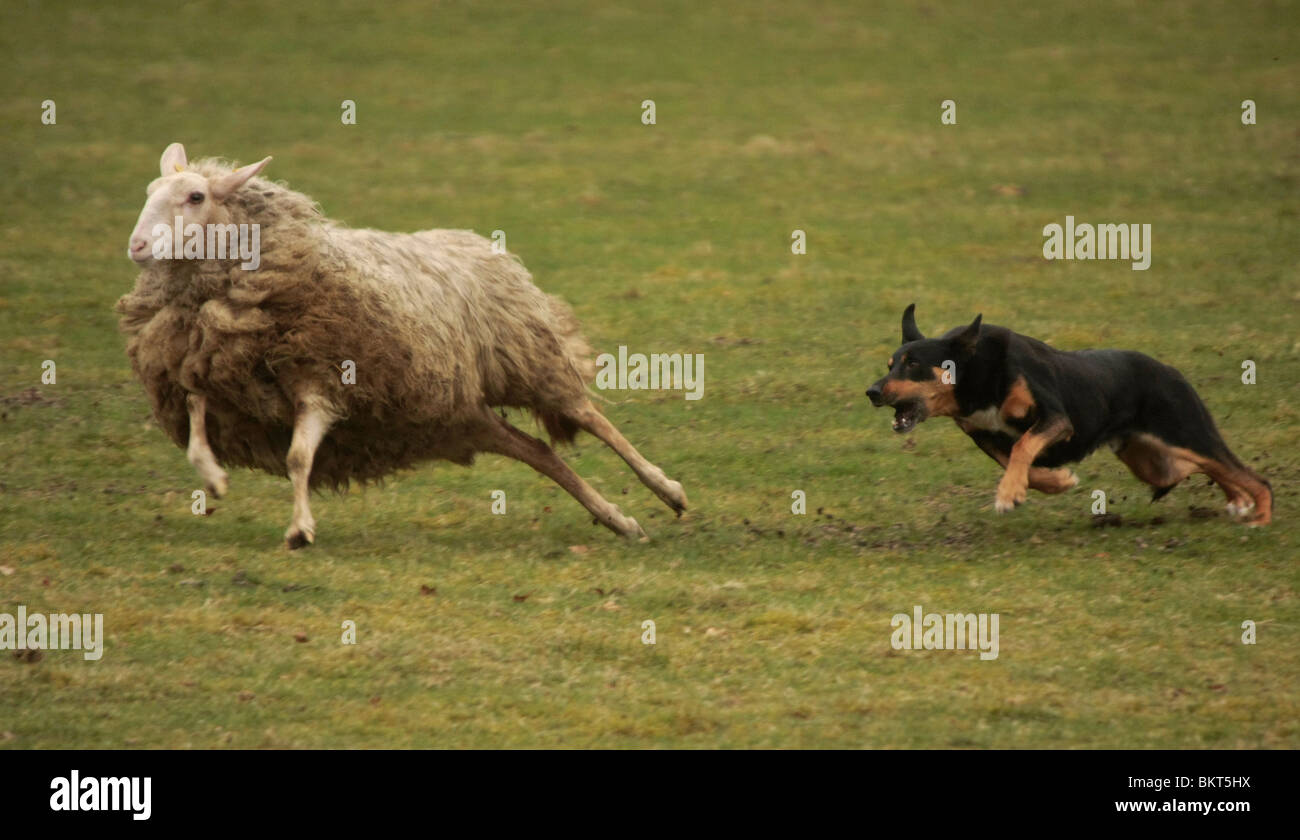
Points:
(243, 365)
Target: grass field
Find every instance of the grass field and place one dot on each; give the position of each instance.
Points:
(773, 629)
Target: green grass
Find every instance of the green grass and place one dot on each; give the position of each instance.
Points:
(772, 629)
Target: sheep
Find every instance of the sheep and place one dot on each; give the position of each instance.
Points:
(243, 367)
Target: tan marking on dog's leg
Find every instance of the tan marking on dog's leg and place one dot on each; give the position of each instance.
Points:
(669, 491)
(1240, 499)
(199, 452)
(1161, 465)
(1245, 490)
(1154, 462)
(1042, 479)
(1263, 505)
(1052, 481)
(1015, 481)
(502, 438)
(310, 425)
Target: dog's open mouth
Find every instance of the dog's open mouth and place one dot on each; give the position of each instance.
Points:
(907, 415)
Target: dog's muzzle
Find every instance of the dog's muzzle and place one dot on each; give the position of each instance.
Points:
(906, 413)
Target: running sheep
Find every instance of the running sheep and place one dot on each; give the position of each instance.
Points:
(247, 366)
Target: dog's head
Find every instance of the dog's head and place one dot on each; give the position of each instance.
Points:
(921, 381)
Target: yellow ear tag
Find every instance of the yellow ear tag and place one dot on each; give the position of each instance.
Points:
(179, 168)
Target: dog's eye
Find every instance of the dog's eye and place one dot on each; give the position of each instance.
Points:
(196, 198)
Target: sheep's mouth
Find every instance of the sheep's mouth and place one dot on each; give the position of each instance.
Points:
(907, 414)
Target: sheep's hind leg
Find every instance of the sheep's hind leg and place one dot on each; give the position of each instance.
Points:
(199, 452)
(309, 428)
(669, 491)
(502, 438)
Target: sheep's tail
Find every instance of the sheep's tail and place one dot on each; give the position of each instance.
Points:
(575, 348)
(560, 427)
(577, 353)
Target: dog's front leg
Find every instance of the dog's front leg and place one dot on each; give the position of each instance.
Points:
(1015, 481)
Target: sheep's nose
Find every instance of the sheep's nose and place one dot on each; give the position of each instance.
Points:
(138, 244)
(875, 395)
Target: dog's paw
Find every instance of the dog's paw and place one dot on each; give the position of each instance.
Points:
(1240, 507)
(1009, 495)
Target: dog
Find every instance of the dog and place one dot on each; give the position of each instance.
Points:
(1034, 409)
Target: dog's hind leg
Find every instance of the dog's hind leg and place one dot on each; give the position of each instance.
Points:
(1249, 495)
(1163, 466)
(1186, 440)
(1153, 462)
(669, 491)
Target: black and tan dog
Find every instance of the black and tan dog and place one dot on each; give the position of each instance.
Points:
(1034, 409)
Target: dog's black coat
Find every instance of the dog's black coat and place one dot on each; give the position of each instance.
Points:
(1106, 394)
(1009, 385)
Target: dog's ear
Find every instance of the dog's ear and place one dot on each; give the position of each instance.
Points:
(910, 332)
(966, 340)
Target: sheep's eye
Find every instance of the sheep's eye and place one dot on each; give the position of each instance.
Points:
(196, 198)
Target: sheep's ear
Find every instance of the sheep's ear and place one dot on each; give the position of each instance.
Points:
(910, 332)
(173, 159)
(227, 184)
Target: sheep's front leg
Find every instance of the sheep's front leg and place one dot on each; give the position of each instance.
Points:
(310, 424)
(1015, 481)
(199, 453)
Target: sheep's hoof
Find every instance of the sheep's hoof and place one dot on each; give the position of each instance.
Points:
(297, 537)
(674, 497)
(219, 486)
(633, 531)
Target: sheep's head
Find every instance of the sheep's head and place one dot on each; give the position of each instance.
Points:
(180, 192)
